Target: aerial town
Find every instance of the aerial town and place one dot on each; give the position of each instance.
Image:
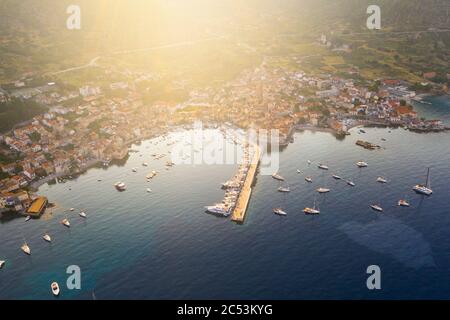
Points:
(71, 137)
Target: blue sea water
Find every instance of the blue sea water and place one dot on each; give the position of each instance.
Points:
(162, 245)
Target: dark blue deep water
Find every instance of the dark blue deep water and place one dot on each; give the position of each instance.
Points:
(162, 245)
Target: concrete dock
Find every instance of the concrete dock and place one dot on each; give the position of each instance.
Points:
(240, 209)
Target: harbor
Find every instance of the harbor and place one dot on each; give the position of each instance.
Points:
(244, 197)
(239, 187)
(177, 234)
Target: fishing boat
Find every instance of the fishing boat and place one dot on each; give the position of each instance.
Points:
(65, 222)
(336, 177)
(276, 176)
(55, 289)
(2, 263)
(26, 249)
(280, 212)
(361, 164)
(403, 203)
(376, 207)
(83, 214)
(382, 180)
(323, 167)
(47, 237)
(424, 189)
(323, 190)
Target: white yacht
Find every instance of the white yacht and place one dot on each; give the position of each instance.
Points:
(55, 289)
(284, 189)
(308, 179)
(323, 167)
(323, 190)
(47, 237)
(424, 189)
(83, 214)
(351, 183)
(382, 180)
(219, 209)
(276, 176)
(2, 263)
(134, 169)
(26, 249)
(279, 212)
(376, 207)
(362, 164)
(120, 186)
(403, 203)
(65, 222)
(149, 190)
(311, 211)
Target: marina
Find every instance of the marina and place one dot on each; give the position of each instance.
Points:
(110, 220)
(240, 209)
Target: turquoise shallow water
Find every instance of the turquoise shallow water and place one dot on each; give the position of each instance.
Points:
(163, 245)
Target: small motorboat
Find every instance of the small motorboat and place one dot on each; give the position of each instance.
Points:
(145, 164)
(277, 177)
(26, 249)
(149, 190)
(2, 263)
(308, 179)
(309, 162)
(134, 169)
(298, 171)
(72, 209)
(55, 289)
(351, 183)
(376, 207)
(66, 223)
(28, 218)
(362, 164)
(284, 189)
(323, 190)
(337, 177)
(381, 180)
(83, 214)
(323, 167)
(47, 237)
(403, 203)
(279, 212)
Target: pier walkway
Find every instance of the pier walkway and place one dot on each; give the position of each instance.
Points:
(240, 209)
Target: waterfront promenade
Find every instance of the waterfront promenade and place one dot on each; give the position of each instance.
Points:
(240, 209)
